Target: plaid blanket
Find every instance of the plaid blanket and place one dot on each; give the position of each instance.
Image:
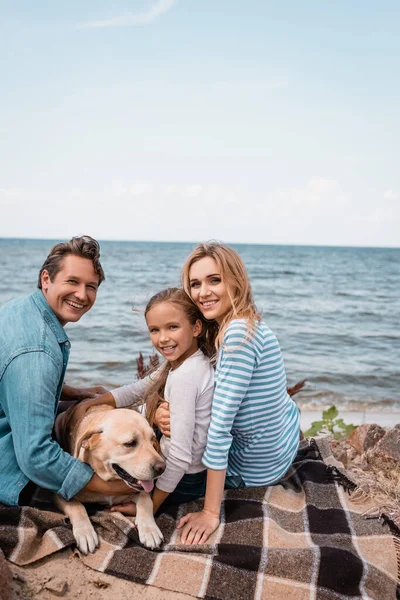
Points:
(308, 537)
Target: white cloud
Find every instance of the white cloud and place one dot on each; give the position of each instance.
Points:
(169, 189)
(318, 212)
(9, 194)
(390, 195)
(318, 196)
(144, 18)
(140, 188)
(191, 191)
(117, 190)
(76, 192)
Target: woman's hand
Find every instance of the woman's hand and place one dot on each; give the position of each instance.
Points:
(162, 419)
(197, 527)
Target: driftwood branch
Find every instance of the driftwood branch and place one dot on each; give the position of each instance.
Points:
(143, 368)
(296, 388)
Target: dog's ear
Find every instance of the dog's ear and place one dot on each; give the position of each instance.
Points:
(88, 441)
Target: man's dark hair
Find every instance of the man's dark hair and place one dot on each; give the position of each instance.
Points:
(84, 246)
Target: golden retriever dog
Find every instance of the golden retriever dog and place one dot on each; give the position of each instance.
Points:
(116, 443)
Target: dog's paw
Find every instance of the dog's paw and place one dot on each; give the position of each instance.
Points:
(149, 534)
(86, 537)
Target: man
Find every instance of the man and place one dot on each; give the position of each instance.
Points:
(34, 352)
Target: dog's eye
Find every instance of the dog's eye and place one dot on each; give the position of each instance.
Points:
(131, 444)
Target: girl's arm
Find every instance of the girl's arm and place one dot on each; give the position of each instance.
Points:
(197, 527)
(132, 394)
(183, 392)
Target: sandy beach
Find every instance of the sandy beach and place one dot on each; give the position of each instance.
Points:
(64, 575)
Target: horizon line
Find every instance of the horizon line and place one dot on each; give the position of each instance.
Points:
(123, 241)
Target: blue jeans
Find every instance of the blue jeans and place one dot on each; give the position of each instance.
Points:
(191, 487)
(234, 481)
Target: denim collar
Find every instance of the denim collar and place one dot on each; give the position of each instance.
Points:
(49, 316)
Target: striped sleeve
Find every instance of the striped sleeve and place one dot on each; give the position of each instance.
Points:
(234, 374)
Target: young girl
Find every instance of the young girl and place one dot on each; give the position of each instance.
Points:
(255, 426)
(185, 381)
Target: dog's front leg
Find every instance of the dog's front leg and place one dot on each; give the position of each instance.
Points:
(149, 533)
(82, 529)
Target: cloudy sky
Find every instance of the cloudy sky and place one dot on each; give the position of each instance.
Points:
(268, 121)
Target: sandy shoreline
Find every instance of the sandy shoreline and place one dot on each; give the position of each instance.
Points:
(64, 575)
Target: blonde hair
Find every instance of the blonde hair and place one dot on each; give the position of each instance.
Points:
(234, 275)
(155, 392)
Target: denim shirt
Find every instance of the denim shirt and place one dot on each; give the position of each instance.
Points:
(34, 352)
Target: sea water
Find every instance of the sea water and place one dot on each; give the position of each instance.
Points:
(335, 311)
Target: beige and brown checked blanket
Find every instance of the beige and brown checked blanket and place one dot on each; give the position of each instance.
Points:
(302, 539)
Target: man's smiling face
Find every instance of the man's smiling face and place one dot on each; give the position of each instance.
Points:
(73, 289)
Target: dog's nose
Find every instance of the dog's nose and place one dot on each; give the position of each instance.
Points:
(159, 467)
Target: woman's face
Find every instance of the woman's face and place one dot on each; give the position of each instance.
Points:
(208, 289)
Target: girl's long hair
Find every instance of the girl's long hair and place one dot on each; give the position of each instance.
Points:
(234, 275)
(155, 391)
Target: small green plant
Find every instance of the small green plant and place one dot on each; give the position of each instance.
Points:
(330, 424)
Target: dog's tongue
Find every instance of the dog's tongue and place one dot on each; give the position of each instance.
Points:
(147, 485)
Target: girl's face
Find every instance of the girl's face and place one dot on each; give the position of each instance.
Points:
(208, 289)
(171, 332)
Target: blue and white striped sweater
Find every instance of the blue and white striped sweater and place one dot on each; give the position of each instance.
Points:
(255, 425)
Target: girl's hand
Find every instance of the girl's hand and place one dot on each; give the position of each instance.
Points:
(197, 527)
(126, 509)
(95, 391)
(162, 419)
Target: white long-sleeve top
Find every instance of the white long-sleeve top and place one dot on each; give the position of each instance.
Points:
(189, 392)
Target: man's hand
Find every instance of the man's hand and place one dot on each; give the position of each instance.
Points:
(126, 509)
(162, 419)
(197, 527)
(71, 394)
